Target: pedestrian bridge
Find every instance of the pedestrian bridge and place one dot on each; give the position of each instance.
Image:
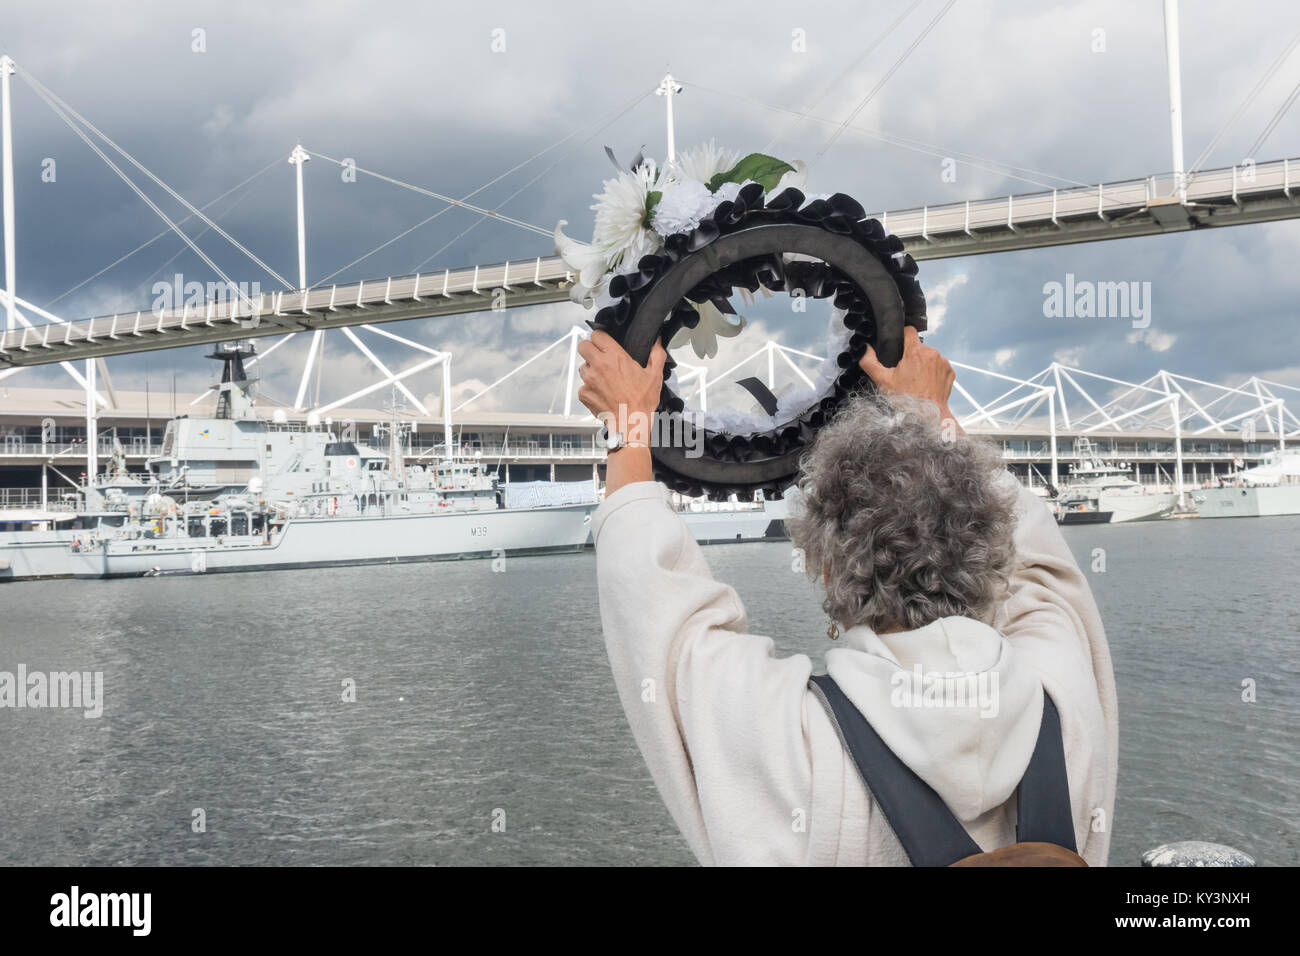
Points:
(1230, 196)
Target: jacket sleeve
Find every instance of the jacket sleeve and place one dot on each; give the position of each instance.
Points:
(1050, 618)
(721, 722)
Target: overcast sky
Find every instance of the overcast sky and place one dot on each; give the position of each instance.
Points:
(424, 92)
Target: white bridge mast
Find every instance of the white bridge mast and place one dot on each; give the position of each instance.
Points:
(6, 120)
(296, 159)
(1175, 97)
(668, 88)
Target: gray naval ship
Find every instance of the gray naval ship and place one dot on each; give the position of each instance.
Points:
(235, 492)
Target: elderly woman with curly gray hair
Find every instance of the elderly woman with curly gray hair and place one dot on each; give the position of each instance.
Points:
(958, 621)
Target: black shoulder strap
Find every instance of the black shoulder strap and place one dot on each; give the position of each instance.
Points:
(929, 833)
(1043, 813)
(926, 828)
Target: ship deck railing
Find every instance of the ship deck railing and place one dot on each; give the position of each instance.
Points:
(29, 499)
(1045, 455)
(18, 447)
(490, 452)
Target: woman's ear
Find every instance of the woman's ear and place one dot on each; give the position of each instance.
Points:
(826, 576)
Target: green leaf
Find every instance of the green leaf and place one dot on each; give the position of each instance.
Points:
(764, 170)
(651, 201)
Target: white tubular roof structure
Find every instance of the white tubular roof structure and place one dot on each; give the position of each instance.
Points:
(1088, 402)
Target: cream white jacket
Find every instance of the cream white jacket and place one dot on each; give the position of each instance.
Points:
(745, 757)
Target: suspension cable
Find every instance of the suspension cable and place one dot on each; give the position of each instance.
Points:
(594, 133)
(197, 236)
(52, 98)
(883, 80)
(821, 95)
(435, 195)
(1246, 103)
(149, 202)
(166, 232)
(892, 139)
(445, 209)
(1272, 123)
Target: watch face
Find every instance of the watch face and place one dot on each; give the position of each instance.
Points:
(613, 440)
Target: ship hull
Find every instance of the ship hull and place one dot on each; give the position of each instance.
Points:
(31, 555)
(307, 543)
(1247, 502)
(1084, 517)
(729, 527)
(1125, 507)
(747, 524)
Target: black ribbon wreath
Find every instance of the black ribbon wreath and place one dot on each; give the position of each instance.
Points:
(862, 269)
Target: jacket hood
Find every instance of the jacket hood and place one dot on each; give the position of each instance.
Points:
(952, 701)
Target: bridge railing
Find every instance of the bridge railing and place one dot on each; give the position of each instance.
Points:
(247, 310)
(1103, 201)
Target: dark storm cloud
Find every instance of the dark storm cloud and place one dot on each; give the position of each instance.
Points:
(415, 91)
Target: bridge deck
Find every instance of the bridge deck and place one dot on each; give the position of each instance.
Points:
(1215, 198)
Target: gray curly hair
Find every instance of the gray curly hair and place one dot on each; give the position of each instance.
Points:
(910, 523)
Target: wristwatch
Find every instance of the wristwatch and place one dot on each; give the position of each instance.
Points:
(613, 441)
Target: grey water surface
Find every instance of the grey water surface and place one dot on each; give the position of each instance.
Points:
(485, 728)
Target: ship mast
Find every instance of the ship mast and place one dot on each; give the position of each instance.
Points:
(233, 398)
(396, 464)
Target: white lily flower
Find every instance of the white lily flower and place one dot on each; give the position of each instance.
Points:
(586, 260)
(713, 324)
(795, 179)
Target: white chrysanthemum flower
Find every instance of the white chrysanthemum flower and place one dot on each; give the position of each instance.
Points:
(705, 161)
(621, 236)
(682, 206)
(620, 216)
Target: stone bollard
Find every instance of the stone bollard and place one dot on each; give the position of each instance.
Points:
(1195, 853)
